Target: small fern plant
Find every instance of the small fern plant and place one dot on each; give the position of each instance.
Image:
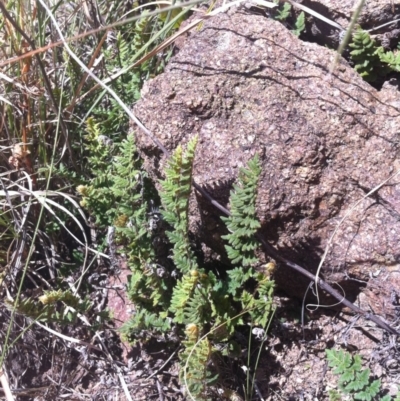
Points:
(283, 14)
(370, 60)
(365, 55)
(354, 381)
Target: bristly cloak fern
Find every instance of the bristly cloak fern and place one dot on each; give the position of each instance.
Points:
(198, 299)
(196, 357)
(243, 222)
(365, 55)
(175, 198)
(370, 60)
(243, 225)
(354, 382)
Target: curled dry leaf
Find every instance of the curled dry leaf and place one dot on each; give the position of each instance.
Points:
(19, 156)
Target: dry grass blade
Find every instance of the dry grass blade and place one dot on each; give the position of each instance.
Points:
(42, 198)
(6, 386)
(94, 31)
(74, 100)
(315, 14)
(46, 81)
(66, 338)
(168, 42)
(347, 37)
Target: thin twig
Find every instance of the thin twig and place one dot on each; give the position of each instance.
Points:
(6, 386)
(119, 373)
(163, 365)
(326, 287)
(160, 391)
(94, 31)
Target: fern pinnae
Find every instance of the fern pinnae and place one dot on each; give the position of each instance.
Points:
(243, 222)
(175, 198)
(354, 381)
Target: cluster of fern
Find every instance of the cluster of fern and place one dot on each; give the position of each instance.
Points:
(175, 294)
(354, 381)
(370, 60)
(203, 306)
(124, 46)
(283, 14)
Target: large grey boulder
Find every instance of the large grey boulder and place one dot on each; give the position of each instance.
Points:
(245, 84)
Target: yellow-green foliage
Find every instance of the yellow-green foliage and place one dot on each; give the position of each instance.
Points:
(53, 306)
(177, 292)
(201, 301)
(196, 358)
(175, 198)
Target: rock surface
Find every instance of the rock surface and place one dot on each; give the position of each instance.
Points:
(244, 84)
(374, 14)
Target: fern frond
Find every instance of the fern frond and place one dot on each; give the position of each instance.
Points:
(366, 56)
(175, 195)
(353, 380)
(300, 24)
(144, 320)
(260, 304)
(182, 294)
(123, 49)
(391, 59)
(196, 357)
(237, 277)
(283, 14)
(141, 31)
(53, 306)
(243, 222)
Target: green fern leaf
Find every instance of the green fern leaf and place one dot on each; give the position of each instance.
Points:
(334, 395)
(360, 381)
(175, 197)
(300, 24)
(182, 294)
(243, 222)
(367, 56)
(339, 360)
(284, 13)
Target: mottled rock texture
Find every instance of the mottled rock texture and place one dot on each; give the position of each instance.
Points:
(244, 84)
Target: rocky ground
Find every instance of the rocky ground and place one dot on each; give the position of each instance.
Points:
(245, 84)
